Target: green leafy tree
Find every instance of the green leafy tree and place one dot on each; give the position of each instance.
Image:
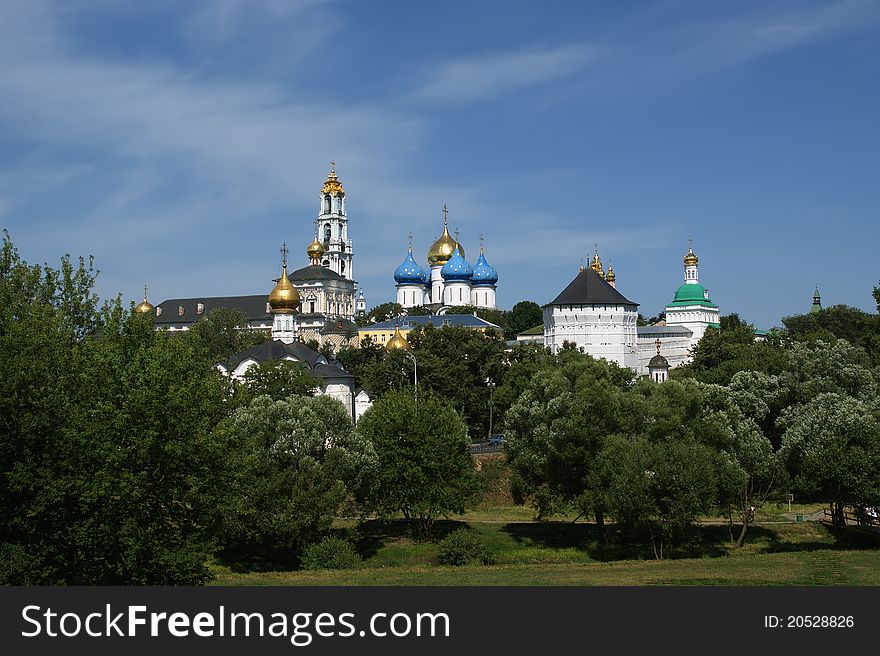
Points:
(223, 332)
(110, 470)
(492, 315)
(832, 445)
(523, 315)
(455, 362)
(661, 487)
(424, 467)
(295, 461)
(278, 379)
(557, 427)
(382, 312)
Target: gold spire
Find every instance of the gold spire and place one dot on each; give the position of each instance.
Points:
(144, 307)
(398, 341)
(596, 264)
(690, 259)
(284, 298)
(442, 249)
(332, 185)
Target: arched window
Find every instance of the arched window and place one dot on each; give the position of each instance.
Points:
(327, 204)
(342, 266)
(327, 232)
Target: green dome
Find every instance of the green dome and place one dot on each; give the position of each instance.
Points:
(692, 294)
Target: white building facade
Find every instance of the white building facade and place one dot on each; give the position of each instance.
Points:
(594, 316)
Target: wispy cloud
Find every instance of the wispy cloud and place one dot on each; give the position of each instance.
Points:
(480, 78)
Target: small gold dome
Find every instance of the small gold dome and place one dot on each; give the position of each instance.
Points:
(398, 341)
(691, 259)
(315, 249)
(284, 298)
(145, 307)
(332, 185)
(596, 264)
(610, 277)
(442, 249)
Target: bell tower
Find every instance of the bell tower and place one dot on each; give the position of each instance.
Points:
(331, 227)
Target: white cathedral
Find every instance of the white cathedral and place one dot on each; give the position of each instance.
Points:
(594, 316)
(450, 280)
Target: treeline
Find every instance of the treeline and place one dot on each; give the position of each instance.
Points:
(126, 458)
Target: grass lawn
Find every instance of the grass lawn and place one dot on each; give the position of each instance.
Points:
(562, 553)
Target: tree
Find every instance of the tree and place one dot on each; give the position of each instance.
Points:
(277, 379)
(110, 471)
(661, 487)
(523, 315)
(722, 353)
(454, 362)
(492, 315)
(295, 462)
(558, 426)
(835, 322)
(382, 312)
(832, 445)
(424, 468)
(223, 332)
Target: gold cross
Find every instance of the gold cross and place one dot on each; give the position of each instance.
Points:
(332, 166)
(657, 343)
(284, 252)
(445, 213)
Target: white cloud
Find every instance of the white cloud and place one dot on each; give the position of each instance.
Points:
(481, 78)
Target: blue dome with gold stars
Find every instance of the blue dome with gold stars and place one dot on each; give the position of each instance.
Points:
(409, 272)
(484, 273)
(457, 268)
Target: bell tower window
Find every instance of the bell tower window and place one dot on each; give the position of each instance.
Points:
(327, 232)
(327, 204)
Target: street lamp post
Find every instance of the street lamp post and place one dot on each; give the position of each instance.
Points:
(415, 372)
(491, 385)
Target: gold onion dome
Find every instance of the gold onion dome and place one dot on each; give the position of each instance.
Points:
(398, 341)
(596, 264)
(610, 277)
(442, 249)
(315, 249)
(332, 185)
(691, 258)
(284, 298)
(145, 306)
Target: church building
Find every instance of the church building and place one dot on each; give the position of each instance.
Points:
(330, 298)
(450, 280)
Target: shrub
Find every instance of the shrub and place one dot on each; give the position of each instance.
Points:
(462, 547)
(331, 553)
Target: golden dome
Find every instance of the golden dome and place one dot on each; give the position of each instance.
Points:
(691, 259)
(596, 264)
(315, 250)
(284, 298)
(144, 307)
(398, 341)
(332, 185)
(610, 277)
(442, 249)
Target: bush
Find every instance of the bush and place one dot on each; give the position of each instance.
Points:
(331, 553)
(462, 547)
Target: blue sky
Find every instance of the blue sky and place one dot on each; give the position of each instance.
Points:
(181, 142)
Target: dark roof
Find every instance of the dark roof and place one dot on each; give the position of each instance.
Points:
(339, 327)
(438, 321)
(273, 349)
(254, 307)
(650, 331)
(315, 272)
(658, 361)
(590, 288)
